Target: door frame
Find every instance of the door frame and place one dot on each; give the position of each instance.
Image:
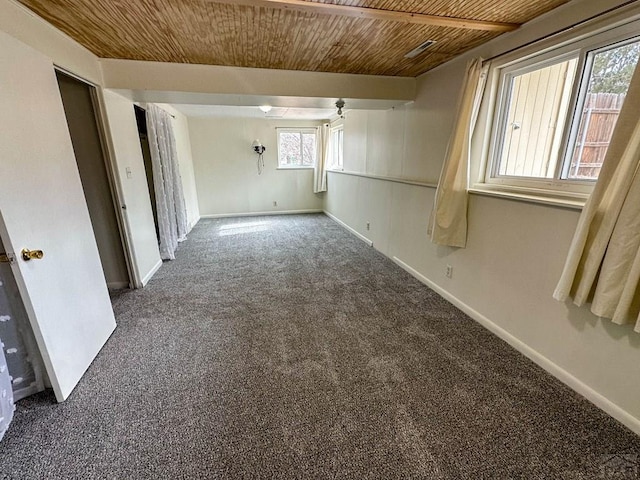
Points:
(113, 175)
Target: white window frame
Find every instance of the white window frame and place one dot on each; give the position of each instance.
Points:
(332, 130)
(499, 80)
(301, 130)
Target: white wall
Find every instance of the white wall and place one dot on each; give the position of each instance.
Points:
(185, 161)
(138, 216)
(394, 143)
(226, 172)
(515, 250)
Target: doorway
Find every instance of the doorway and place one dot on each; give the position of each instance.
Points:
(78, 99)
(141, 120)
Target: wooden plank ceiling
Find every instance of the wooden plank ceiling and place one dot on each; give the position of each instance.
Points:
(311, 35)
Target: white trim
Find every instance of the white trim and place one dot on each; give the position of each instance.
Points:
(300, 131)
(573, 201)
(349, 229)
(406, 181)
(151, 273)
(69, 73)
(336, 149)
(193, 224)
(260, 214)
(117, 189)
(565, 377)
(297, 167)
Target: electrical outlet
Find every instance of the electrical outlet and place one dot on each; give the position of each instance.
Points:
(275, 204)
(368, 226)
(449, 271)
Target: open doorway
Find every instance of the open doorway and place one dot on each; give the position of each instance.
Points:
(141, 120)
(78, 99)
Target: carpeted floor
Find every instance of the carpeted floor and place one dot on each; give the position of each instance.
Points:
(283, 347)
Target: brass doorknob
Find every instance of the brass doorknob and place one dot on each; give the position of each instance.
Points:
(31, 254)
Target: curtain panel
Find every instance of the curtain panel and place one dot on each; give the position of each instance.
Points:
(603, 264)
(322, 159)
(448, 221)
(170, 204)
(6, 394)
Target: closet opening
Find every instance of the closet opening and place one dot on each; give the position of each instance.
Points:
(79, 101)
(141, 120)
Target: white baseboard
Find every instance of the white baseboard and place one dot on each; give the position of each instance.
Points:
(117, 285)
(347, 227)
(260, 214)
(193, 224)
(565, 377)
(151, 273)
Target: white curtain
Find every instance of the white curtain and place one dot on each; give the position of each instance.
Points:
(6, 394)
(448, 222)
(322, 159)
(171, 210)
(603, 265)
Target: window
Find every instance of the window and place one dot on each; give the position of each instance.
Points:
(296, 147)
(335, 146)
(555, 113)
(536, 108)
(609, 77)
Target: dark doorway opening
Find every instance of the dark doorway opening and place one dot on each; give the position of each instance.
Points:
(80, 110)
(141, 120)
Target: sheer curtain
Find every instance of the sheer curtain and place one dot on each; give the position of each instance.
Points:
(448, 222)
(603, 265)
(322, 160)
(171, 210)
(6, 394)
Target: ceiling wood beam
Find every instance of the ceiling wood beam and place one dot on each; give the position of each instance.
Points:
(377, 14)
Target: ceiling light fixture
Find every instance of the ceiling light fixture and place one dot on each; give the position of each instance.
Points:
(265, 108)
(340, 106)
(419, 49)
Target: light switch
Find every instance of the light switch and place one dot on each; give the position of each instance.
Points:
(128, 171)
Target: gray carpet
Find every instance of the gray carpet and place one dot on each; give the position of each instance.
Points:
(283, 347)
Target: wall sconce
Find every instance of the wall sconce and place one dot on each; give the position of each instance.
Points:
(265, 108)
(257, 147)
(340, 106)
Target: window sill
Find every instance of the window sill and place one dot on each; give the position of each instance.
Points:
(571, 200)
(295, 168)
